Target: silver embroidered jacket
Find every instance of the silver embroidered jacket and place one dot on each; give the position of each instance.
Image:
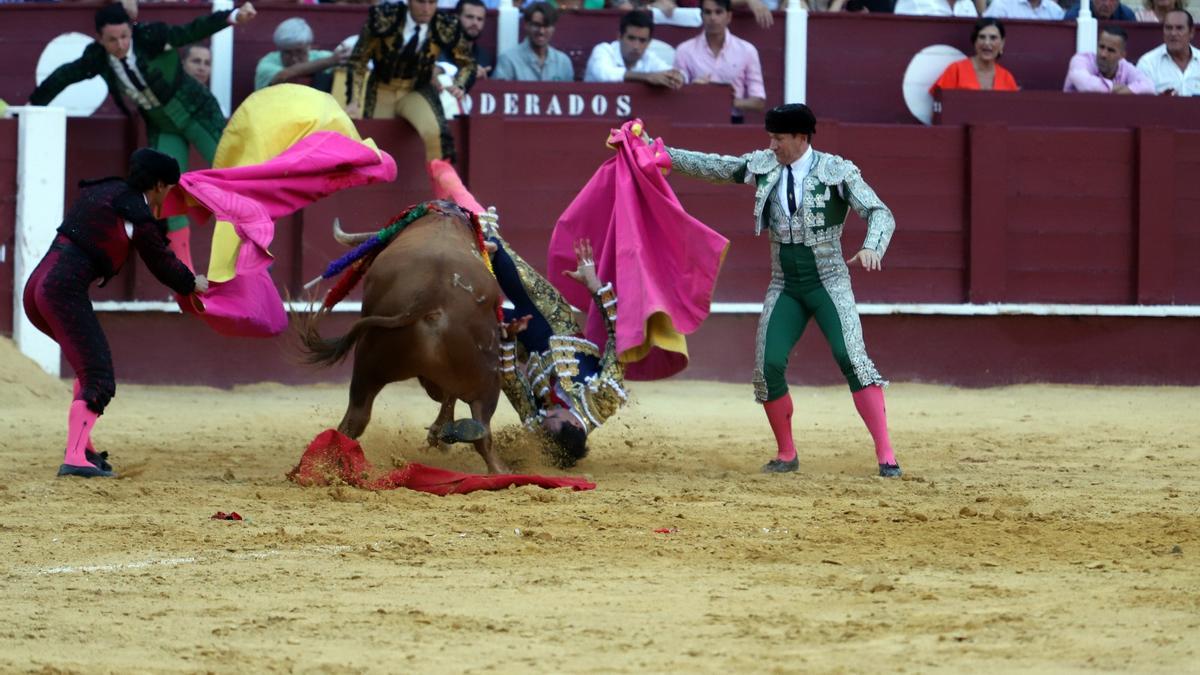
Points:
(832, 183)
(593, 399)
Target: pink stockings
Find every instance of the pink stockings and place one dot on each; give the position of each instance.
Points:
(779, 414)
(869, 401)
(870, 405)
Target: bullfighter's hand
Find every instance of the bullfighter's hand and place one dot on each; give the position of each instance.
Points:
(245, 14)
(512, 328)
(870, 260)
(456, 92)
(491, 246)
(585, 273)
(342, 53)
(201, 284)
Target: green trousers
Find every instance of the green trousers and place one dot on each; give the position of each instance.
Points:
(171, 128)
(808, 282)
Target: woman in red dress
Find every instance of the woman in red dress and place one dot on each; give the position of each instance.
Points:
(980, 72)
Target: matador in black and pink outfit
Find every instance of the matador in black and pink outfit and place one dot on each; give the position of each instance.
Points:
(111, 216)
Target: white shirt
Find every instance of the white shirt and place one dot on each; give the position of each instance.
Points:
(800, 169)
(1023, 9)
(936, 8)
(606, 65)
(410, 27)
(1158, 65)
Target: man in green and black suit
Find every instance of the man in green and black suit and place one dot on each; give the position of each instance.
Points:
(139, 62)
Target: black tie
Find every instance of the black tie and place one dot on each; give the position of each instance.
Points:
(133, 78)
(791, 188)
(410, 47)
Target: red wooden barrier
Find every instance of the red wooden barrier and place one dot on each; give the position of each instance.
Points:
(1059, 109)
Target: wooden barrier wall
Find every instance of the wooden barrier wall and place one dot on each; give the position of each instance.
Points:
(985, 213)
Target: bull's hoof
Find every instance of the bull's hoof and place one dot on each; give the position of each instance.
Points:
(83, 471)
(462, 431)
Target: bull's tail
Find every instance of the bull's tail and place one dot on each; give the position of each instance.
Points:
(327, 352)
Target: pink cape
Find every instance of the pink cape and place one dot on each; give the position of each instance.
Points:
(661, 260)
(251, 198)
(333, 457)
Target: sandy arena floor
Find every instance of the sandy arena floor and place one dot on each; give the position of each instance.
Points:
(1045, 529)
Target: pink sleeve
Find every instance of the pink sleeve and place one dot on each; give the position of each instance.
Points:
(1081, 78)
(754, 78)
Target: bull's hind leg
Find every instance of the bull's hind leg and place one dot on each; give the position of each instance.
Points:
(482, 412)
(365, 385)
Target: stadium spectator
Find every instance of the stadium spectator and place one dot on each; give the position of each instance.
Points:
(398, 48)
(534, 60)
(960, 8)
(981, 71)
(1104, 10)
(627, 59)
(472, 16)
(1107, 71)
(197, 62)
(295, 60)
(1047, 10)
(716, 55)
(139, 63)
(1174, 66)
(1155, 11)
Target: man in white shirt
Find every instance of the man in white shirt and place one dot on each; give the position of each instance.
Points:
(960, 8)
(1174, 66)
(626, 59)
(1046, 10)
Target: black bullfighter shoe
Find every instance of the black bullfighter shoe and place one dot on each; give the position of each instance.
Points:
(889, 470)
(780, 466)
(98, 459)
(83, 471)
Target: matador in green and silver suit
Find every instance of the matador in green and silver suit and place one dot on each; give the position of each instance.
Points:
(802, 197)
(139, 62)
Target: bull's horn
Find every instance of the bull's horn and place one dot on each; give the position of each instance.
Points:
(349, 239)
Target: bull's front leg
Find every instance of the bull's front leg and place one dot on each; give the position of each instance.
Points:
(482, 412)
(444, 417)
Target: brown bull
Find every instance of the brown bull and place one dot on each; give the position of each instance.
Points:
(429, 312)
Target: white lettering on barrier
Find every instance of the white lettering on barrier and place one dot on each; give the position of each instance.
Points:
(533, 104)
(623, 105)
(577, 105)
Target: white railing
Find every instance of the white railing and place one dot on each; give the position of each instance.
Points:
(41, 190)
(221, 79)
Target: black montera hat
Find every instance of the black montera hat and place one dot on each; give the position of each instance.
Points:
(153, 167)
(792, 118)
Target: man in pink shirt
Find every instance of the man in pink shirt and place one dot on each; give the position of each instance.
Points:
(717, 56)
(1107, 71)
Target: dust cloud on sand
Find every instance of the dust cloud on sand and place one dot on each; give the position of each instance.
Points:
(1037, 528)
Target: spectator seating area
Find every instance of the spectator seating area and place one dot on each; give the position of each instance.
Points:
(856, 62)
